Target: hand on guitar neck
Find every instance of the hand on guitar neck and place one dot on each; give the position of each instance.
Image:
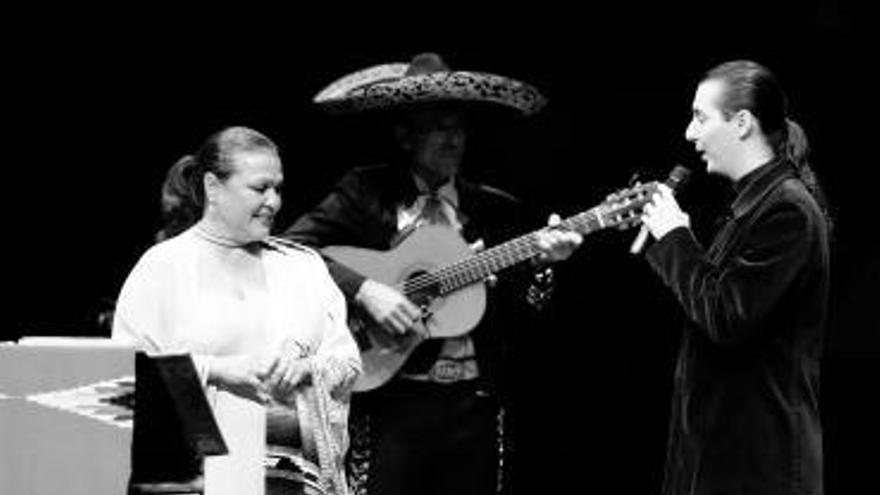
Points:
(555, 242)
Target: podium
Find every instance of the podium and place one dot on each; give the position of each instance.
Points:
(65, 416)
(84, 416)
(93, 417)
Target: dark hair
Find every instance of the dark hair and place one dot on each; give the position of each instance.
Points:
(183, 194)
(751, 86)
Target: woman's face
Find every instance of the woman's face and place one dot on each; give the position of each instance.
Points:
(245, 203)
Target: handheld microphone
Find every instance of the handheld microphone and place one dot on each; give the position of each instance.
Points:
(677, 178)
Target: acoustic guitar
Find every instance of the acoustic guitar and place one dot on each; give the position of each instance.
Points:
(436, 269)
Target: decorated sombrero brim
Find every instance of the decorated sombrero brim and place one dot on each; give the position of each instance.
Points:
(398, 85)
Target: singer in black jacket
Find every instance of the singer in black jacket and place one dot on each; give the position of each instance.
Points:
(745, 413)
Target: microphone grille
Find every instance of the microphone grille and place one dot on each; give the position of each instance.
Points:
(678, 176)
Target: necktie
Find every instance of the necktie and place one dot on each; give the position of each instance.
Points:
(433, 211)
(427, 352)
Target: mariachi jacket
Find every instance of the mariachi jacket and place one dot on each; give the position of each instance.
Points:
(361, 211)
(745, 413)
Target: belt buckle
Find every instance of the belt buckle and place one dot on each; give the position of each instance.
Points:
(447, 371)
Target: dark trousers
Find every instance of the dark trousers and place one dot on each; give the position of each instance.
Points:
(433, 439)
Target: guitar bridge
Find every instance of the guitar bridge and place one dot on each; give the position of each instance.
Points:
(425, 317)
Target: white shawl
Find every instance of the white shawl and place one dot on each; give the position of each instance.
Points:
(163, 309)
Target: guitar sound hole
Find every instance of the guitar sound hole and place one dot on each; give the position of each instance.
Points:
(421, 288)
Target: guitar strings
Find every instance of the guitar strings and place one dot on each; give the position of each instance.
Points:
(473, 268)
(468, 271)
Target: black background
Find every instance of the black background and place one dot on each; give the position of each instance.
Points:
(100, 104)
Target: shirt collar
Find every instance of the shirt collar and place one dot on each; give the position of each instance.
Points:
(753, 186)
(447, 191)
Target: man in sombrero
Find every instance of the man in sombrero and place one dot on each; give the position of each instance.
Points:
(434, 319)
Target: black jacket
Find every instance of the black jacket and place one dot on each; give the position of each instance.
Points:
(745, 414)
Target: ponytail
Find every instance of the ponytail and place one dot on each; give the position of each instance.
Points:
(795, 146)
(796, 149)
(182, 198)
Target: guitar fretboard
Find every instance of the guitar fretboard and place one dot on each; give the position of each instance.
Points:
(477, 267)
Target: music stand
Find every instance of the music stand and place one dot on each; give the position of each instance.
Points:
(174, 427)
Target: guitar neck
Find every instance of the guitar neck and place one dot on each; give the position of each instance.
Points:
(479, 266)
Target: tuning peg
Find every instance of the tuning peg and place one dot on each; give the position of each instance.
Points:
(634, 179)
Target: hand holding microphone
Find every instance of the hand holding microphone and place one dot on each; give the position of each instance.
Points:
(663, 214)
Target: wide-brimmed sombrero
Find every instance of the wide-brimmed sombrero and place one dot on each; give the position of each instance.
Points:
(426, 79)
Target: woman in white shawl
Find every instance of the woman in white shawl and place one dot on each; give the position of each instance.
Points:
(263, 321)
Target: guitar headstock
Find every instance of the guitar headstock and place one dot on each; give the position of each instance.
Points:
(623, 209)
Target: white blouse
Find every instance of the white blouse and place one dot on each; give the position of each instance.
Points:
(183, 297)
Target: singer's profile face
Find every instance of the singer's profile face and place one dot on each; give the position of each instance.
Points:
(714, 136)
